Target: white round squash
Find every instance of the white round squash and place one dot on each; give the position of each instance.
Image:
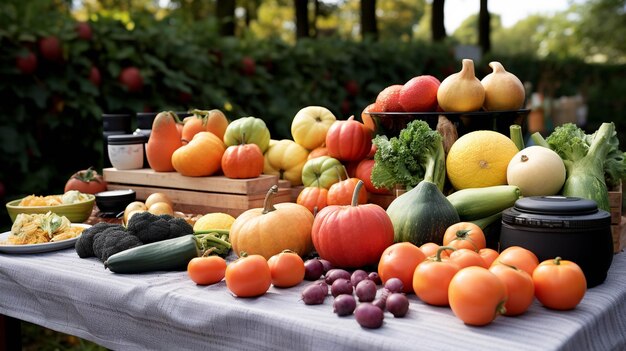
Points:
(537, 171)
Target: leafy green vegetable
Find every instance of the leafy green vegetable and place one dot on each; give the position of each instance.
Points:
(416, 154)
(593, 161)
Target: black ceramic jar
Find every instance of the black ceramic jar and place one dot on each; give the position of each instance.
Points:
(568, 227)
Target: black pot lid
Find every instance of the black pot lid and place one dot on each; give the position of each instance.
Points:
(556, 205)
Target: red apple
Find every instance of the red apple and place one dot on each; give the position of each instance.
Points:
(84, 30)
(419, 94)
(248, 66)
(132, 79)
(50, 48)
(27, 64)
(94, 76)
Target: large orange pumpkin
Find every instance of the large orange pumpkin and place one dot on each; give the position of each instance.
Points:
(348, 140)
(352, 236)
(202, 156)
(273, 228)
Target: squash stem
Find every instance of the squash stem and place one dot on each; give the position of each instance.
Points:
(268, 203)
(355, 194)
(516, 136)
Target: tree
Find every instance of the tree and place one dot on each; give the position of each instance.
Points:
(369, 27)
(484, 27)
(225, 10)
(437, 25)
(302, 18)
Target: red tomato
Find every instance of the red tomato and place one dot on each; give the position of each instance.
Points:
(519, 286)
(248, 276)
(467, 258)
(399, 261)
(476, 295)
(519, 257)
(559, 284)
(430, 249)
(286, 268)
(432, 277)
(489, 255)
(87, 181)
(465, 235)
(206, 270)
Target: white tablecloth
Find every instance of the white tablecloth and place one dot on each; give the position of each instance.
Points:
(167, 311)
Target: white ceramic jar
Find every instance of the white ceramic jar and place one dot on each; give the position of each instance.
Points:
(126, 151)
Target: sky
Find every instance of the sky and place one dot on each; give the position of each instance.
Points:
(510, 11)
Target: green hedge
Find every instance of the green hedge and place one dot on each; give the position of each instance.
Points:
(51, 123)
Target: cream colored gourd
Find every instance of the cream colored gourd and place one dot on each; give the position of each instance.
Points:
(461, 91)
(503, 90)
(536, 171)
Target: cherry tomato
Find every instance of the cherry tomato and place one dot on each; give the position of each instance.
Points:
(248, 276)
(467, 258)
(465, 235)
(286, 268)
(519, 286)
(489, 255)
(476, 295)
(559, 284)
(432, 277)
(399, 261)
(206, 270)
(430, 249)
(87, 181)
(519, 257)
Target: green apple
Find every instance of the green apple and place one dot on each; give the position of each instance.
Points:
(322, 172)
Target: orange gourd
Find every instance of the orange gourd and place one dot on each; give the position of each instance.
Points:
(341, 192)
(213, 121)
(273, 228)
(164, 140)
(243, 161)
(202, 156)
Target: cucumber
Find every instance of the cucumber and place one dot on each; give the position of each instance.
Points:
(166, 255)
(476, 203)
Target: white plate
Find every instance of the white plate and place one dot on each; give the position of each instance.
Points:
(38, 248)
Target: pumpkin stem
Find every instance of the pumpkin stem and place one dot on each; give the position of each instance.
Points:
(501, 309)
(557, 261)
(442, 249)
(268, 203)
(339, 174)
(355, 194)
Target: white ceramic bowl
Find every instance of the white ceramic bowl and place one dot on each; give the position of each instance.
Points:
(126, 151)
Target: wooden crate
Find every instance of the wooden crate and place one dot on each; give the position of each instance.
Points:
(198, 195)
(615, 204)
(619, 235)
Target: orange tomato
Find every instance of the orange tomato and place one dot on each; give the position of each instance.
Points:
(206, 270)
(476, 295)
(519, 286)
(432, 277)
(248, 276)
(467, 258)
(489, 255)
(519, 257)
(465, 235)
(286, 268)
(430, 249)
(559, 284)
(399, 261)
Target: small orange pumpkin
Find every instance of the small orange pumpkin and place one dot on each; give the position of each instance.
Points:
(314, 198)
(273, 228)
(202, 156)
(243, 161)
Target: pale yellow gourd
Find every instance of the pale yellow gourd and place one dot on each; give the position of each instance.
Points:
(536, 171)
(503, 90)
(461, 91)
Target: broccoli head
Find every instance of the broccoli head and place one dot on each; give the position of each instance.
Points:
(84, 244)
(113, 240)
(151, 228)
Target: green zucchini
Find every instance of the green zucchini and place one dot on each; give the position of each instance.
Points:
(487, 221)
(476, 203)
(166, 255)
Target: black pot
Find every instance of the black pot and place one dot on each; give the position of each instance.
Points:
(113, 202)
(116, 122)
(567, 227)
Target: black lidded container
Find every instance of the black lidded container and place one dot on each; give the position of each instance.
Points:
(568, 227)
